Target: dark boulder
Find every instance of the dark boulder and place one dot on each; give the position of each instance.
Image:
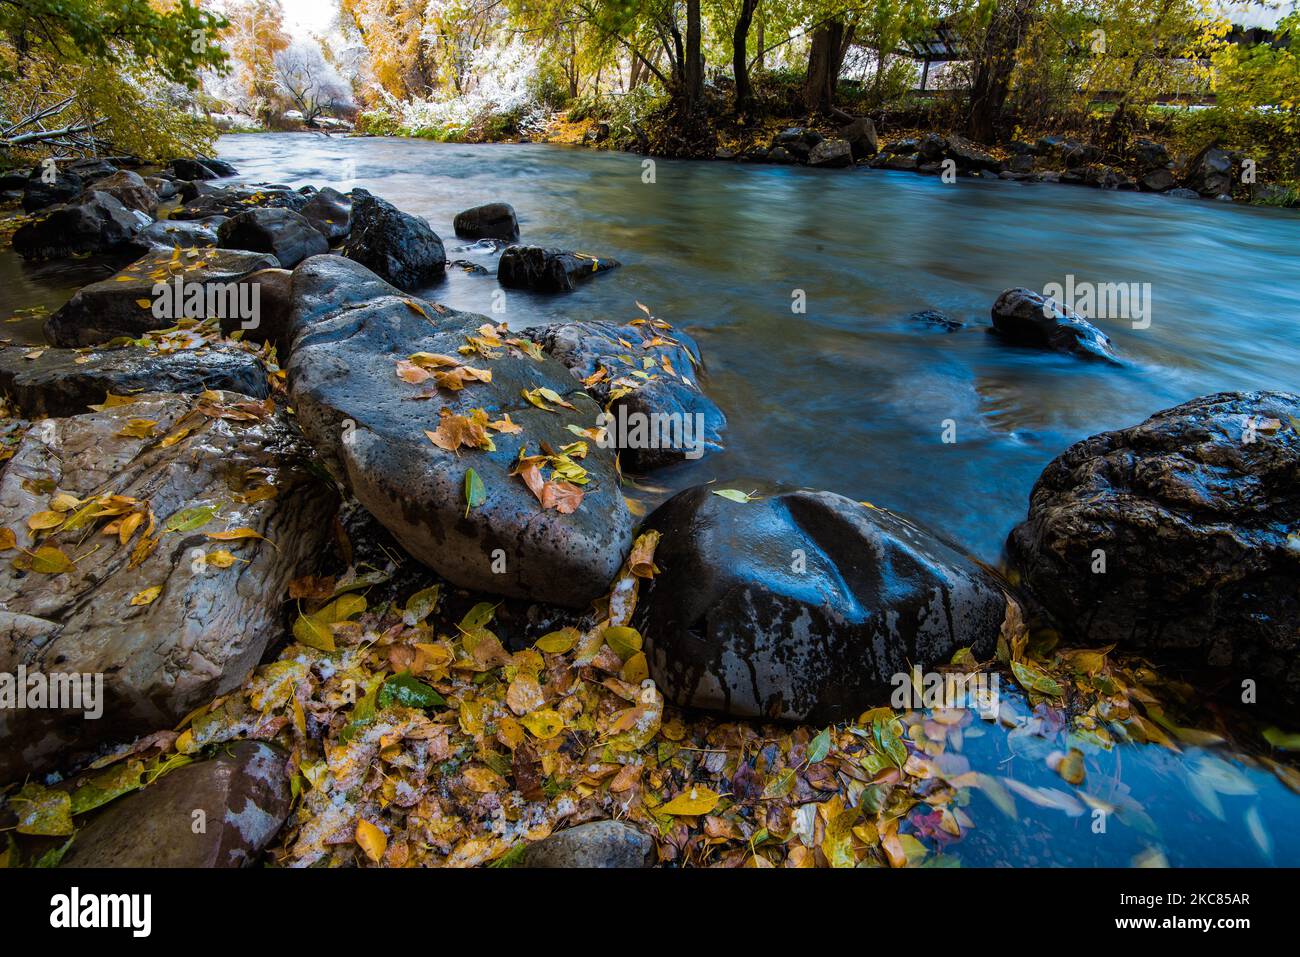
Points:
(1210, 173)
(491, 221)
(330, 212)
(1156, 180)
(803, 605)
(548, 270)
(398, 247)
(831, 154)
(1192, 516)
(274, 292)
(600, 844)
(969, 156)
(861, 136)
(677, 419)
(370, 427)
(130, 190)
(286, 235)
(39, 194)
(62, 382)
(1029, 318)
(98, 223)
(220, 167)
(192, 169)
(91, 168)
(233, 200)
(781, 156)
(242, 792)
(127, 305)
(797, 142)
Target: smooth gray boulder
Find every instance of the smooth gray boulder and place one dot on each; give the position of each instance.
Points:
(161, 654)
(802, 605)
(286, 235)
(548, 270)
(330, 213)
(212, 285)
(244, 796)
(399, 248)
(350, 329)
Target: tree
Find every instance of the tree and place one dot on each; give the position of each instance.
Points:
(995, 60)
(255, 35)
(830, 42)
(309, 82)
(740, 57)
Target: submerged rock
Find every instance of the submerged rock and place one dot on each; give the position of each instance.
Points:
(603, 844)
(98, 223)
(286, 235)
(124, 305)
(803, 605)
(242, 790)
(665, 397)
(491, 221)
(349, 330)
(937, 320)
(1027, 317)
(399, 248)
(1191, 517)
(160, 653)
(56, 384)
(548, 270)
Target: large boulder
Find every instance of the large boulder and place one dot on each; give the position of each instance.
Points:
(39, 194)
(330, 213)
(154, 609)
(209, 201)
(831, 154)
(242, 791)
(1210, 173)
(596, 844)
(127, 305)
(350, 331)
(195, 169)
(645, 404)
(861, 136)
(1029, 318)
(796, 141)
(130, 190)
(548, 270)
(1178, 535)
(396, 246)
(490, 221)
(286, 235)
(97, 223)
(61, 382)
(91, 168)
(802, 605)
(177, 234)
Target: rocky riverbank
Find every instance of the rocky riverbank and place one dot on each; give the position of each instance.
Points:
(261, 491)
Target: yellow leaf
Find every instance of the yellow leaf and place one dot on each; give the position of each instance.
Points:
(147, 596)
(50, 561)
(8, 539)
(235, 534)
(371, 840)
(43, 520)
(220, 559)
(558, 642)
(697, 800)
(543, 724)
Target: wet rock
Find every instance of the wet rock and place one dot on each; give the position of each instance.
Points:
(1180, 192)
(1021, 163)
(968, 156)
(1150, 155)
(1193, 513)
(1156, 180)
(601, 844)
(831, 154)
(781, 156)
(286, 235)
(1210, 173)
(732, 625)
(903, 163)
(797, 142)
(548, 270)
(193, 169)
(491, 221)
(330, 212)
(220, 167)
(1027, 317)
(112, 307)
(91, 169)
(165, 188)
(130, 190)
(861, 137)
(39, 194)
(349, 327)
(937, 320)
(272, 325)
(242, 790)
(208, 626)
(670, 394)
(233, 200)
(97, 223)
(173, 234)
(56, 384)
(399, 248)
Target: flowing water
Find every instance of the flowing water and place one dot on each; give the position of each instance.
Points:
(852, 395)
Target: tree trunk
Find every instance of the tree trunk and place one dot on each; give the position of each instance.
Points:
(830, 43)
(739, 59)
(993, 72)
(693, 71)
